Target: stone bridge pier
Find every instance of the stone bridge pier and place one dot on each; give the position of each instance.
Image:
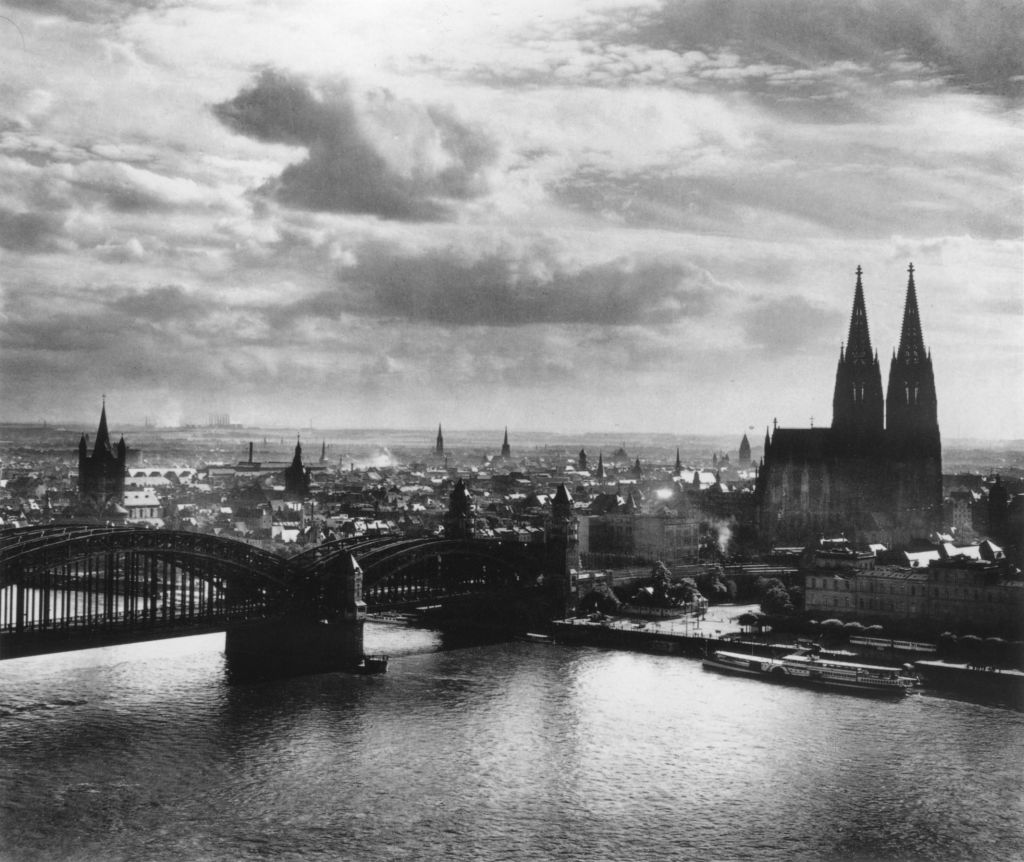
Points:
(323, 632)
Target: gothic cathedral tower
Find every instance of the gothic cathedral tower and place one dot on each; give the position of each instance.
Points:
(857, 406)
(912, 425)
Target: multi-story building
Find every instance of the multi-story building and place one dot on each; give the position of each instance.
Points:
(976, 591)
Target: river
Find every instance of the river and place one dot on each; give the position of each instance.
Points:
(519, 751)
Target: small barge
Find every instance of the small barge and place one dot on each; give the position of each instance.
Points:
(809, 669)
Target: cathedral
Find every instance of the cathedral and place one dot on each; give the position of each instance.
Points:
(876, 474)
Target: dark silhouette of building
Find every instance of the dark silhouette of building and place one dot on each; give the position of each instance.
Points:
(582, 460)
(876, 474)
(439, 445)
(744, 452)
(600, 465)
(459, 522)
(101, 475)
(506, 450)
(296, 476)
(677, 468)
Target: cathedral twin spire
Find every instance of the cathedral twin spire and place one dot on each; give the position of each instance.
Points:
(857, 404)
(909, 406)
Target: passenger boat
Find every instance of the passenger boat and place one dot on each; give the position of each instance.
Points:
(807, 668)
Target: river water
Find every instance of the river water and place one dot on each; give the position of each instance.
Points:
(518, 751)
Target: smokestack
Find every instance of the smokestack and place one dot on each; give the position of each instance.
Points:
(250, 451)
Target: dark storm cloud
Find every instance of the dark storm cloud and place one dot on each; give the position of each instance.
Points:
(505, 290)
(789, 324)
(975, 44)
(345, 171)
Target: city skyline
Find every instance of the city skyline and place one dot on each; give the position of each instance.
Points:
(607, 217)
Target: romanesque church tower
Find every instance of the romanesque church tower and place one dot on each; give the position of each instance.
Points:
(101, 475)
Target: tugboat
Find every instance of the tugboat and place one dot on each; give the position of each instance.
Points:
(372, 664)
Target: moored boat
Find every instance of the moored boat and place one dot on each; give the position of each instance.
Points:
(371, 664)
(733, 662)
(808, 668)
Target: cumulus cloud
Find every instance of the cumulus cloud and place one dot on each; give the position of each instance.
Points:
(392, 158)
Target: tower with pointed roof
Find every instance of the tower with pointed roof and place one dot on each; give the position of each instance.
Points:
(506, 450)
(600, 465)
(296, 476)
(101, 474)
(911, 405)
(857, 406)
(911, 422)
(562, 557)
(439, 445)
(744, 452)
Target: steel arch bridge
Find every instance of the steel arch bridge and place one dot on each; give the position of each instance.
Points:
(76, 586)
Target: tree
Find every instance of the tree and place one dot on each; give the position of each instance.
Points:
(775, 598)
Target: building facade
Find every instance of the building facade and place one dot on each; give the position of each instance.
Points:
(960, 595)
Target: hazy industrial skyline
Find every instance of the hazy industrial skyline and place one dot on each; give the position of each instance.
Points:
(635, 216)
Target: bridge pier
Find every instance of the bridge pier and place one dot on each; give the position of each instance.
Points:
(326, 636)
(293, 647)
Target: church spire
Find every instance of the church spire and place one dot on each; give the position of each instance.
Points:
(102, 434)
(911, 350)
(911, 404)
(858, 344)
(857, 405)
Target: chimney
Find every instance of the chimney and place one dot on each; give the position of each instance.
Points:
(250, 451)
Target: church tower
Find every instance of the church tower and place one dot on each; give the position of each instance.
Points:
(506, 451)
(101, 475)
(911, 405)
(857, 406)
(439, 445)
(744, 452)
(912, 425)
(296, 477)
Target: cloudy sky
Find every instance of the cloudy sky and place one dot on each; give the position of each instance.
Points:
(556, 216)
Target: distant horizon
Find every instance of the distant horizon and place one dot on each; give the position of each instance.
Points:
(754, 437)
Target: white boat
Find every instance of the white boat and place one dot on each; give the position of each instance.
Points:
(734, 662)
(808, 668)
